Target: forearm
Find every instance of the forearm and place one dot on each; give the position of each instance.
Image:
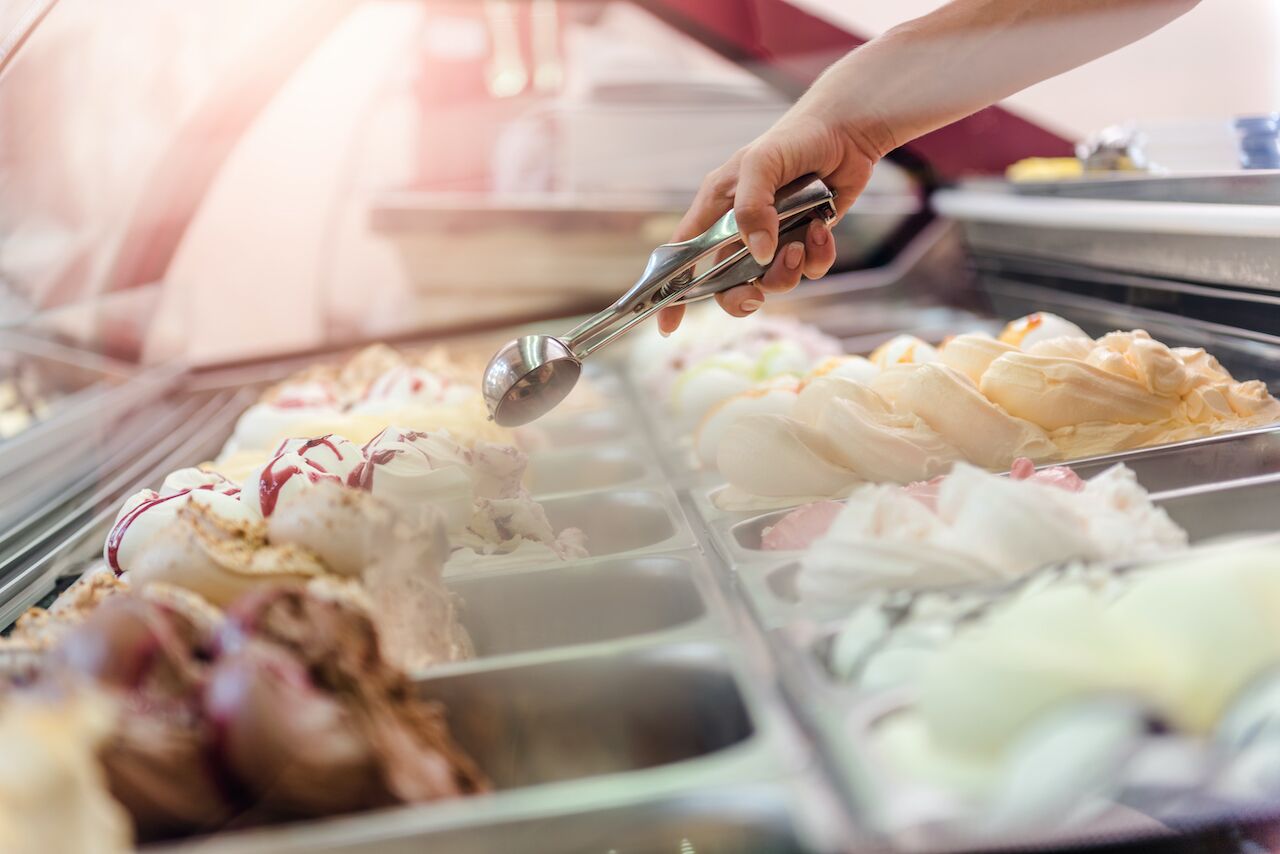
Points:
(969, 54)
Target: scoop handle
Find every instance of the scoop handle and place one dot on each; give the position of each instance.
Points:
(797, 203)
(703, 266)
(745, 269)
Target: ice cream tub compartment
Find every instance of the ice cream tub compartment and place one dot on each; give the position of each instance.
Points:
(704, 499)
(1197, 462)
(525, 613)
(596, 716)
(614, 523)
(745, 539)
(1068, 805)
(565, 738)
(771, 590)
(585, 469)
(1250, 506)
(1219, 477)
(575, 430)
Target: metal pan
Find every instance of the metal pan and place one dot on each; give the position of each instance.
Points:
(578, 747)
(585, 469)
(771, 591)
(1248, 506)
(588, 428)
(1199, 462)
(532, 613)
(616, 523)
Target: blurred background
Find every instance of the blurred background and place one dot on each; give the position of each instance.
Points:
(215, 181)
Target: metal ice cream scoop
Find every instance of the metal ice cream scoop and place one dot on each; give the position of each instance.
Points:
(529, 376)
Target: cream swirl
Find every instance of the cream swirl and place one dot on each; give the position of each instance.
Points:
(147, 512)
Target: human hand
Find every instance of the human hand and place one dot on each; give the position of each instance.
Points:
(812, 137)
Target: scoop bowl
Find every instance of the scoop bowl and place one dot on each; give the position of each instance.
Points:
(528, 377)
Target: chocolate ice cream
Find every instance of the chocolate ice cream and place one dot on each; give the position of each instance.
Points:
(286, 709)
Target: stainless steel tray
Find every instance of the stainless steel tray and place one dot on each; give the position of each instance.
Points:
(525, 615)
(1214, 511)
(591, 468)
(654, 524)
(587, 428)
(563, 739)
(623, 521)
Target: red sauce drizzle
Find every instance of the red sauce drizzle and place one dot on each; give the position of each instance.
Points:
(271, 482)
(326, 440)
(361, 476)
(116, 537)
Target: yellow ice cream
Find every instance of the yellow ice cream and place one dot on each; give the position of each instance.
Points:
(1128, 391)
(972, 354)
(1042, 390)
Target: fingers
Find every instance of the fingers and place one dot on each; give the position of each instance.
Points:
(669, 319)
(819, 250)
(712, 201)
(784, 273)
(741, 301)
(759, 178)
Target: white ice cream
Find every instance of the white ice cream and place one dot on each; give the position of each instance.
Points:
(985, 529)
(147, 512)
(840, 434)
(411, 469)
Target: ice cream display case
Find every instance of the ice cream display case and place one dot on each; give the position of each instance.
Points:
(969, 546)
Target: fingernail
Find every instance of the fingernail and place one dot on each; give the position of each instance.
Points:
(758, 243)
(750, 305)
(792, 256)
(665, 333)
(821, 235)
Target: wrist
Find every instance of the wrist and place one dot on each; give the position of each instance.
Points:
(843, 100)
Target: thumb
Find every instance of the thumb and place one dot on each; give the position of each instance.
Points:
(759, 178)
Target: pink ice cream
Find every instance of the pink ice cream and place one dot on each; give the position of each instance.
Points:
(799, 528)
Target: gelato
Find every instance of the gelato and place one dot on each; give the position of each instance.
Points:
(285, 709)
(478, 490)
(53, 794)
(358, 399)
(38, 629)
(148, 511)
(1026, 332)
(903, 350)
(840, 434)
(296, 520)
(715, 357)
(1042, 390)
(1183, 639)
(976, 527)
